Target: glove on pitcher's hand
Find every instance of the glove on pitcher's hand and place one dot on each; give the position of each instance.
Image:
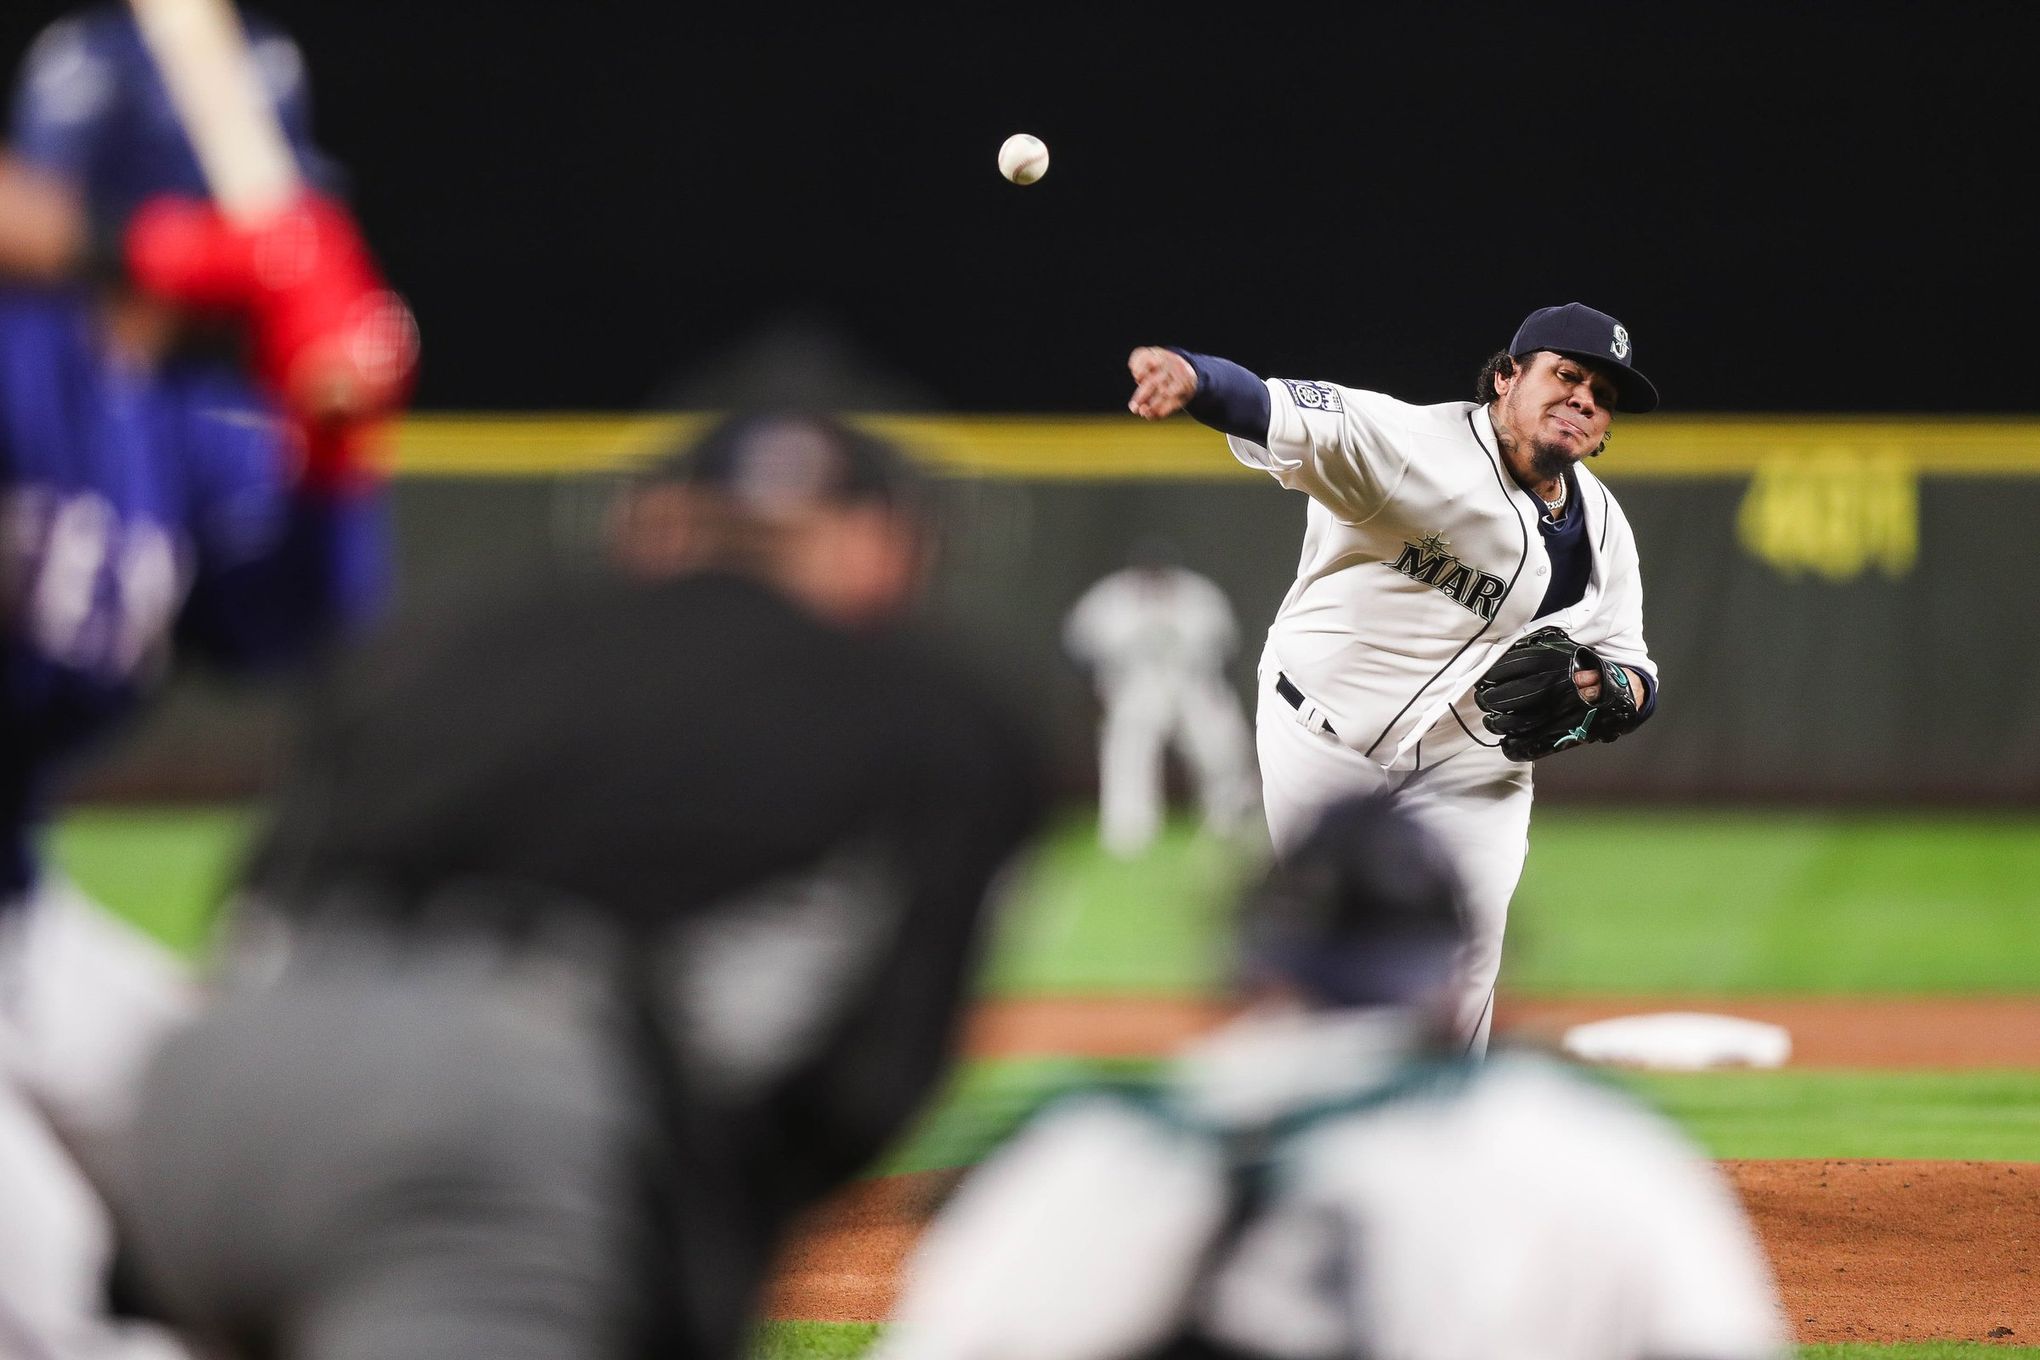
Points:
(1532, 699)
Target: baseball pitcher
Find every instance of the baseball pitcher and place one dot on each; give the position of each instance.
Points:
(1468, 599)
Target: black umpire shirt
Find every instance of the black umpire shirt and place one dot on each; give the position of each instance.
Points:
(809, 819)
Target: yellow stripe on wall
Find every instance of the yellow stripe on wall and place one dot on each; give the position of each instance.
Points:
(1123, 448)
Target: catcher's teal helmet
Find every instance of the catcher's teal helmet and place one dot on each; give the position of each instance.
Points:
(1366, 911)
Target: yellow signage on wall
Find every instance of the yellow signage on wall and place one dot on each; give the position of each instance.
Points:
(1121, 448)
(1833, 511)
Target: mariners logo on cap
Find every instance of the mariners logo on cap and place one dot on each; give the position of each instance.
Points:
(1619, 347)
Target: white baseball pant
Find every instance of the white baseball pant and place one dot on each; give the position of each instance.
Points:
(1143, 717)
(1475, 801)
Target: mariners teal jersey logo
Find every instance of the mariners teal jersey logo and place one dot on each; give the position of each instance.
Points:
(1430, 561)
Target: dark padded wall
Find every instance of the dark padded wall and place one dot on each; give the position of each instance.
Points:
(1818, 642)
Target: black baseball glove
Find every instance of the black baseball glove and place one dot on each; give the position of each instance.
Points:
(1534, 705)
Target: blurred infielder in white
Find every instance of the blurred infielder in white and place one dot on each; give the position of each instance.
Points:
(1326, 1177)
(1156, 637)
(1468, 598)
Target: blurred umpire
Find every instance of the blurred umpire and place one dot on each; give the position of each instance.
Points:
(597, 934)
(1328, 1178)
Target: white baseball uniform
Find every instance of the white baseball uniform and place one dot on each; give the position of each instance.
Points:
(1456, 1212)
(1422, 562)
(84, 998)
(1157, 639)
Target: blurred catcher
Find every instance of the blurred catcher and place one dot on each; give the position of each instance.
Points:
(175, 476)
(1328, 1176)
(599, 931)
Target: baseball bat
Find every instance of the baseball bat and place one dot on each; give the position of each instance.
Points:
(203, 53)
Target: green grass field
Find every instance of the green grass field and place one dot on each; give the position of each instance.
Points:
(1630, 902)
(1941, 1116)
(1642, 903)
(1788, 904)
(164, 869)
(1778, 902)
(1665, 904)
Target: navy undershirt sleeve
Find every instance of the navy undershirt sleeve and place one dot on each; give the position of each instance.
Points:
(1648, 704)
(1228, 397)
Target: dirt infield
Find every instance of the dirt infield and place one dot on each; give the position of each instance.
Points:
(1939, 1032)
(844, 1264)
(1864, 1251)
(1868, 1251)
(1901, 1251)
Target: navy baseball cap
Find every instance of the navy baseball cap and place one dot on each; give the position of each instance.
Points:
(1595, 337)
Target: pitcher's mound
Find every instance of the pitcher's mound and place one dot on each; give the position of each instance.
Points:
(1901, 1251)
(1864, 1251)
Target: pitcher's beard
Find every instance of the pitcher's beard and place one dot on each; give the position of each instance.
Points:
(1549, 461)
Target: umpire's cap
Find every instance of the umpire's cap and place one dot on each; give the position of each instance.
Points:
(772, 464)
(1594, 337)
(1367, 911)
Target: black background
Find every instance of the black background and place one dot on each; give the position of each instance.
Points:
(1792, 211)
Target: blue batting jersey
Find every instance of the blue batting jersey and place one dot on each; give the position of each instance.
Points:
(90, 107)
(141, 509)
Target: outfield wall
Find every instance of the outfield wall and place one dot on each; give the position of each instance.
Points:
(1837, 603)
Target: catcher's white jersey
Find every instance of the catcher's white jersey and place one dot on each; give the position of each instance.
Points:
(84, 998)
(1421, 563)
(1510, 1209)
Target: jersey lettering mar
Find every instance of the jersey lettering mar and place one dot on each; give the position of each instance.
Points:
(1428, 561)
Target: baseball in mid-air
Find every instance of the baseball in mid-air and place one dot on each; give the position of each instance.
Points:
(1023, 159)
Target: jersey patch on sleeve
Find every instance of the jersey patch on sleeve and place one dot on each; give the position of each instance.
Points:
(1314, 396)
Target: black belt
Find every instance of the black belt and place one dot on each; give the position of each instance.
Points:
(1293, 696)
